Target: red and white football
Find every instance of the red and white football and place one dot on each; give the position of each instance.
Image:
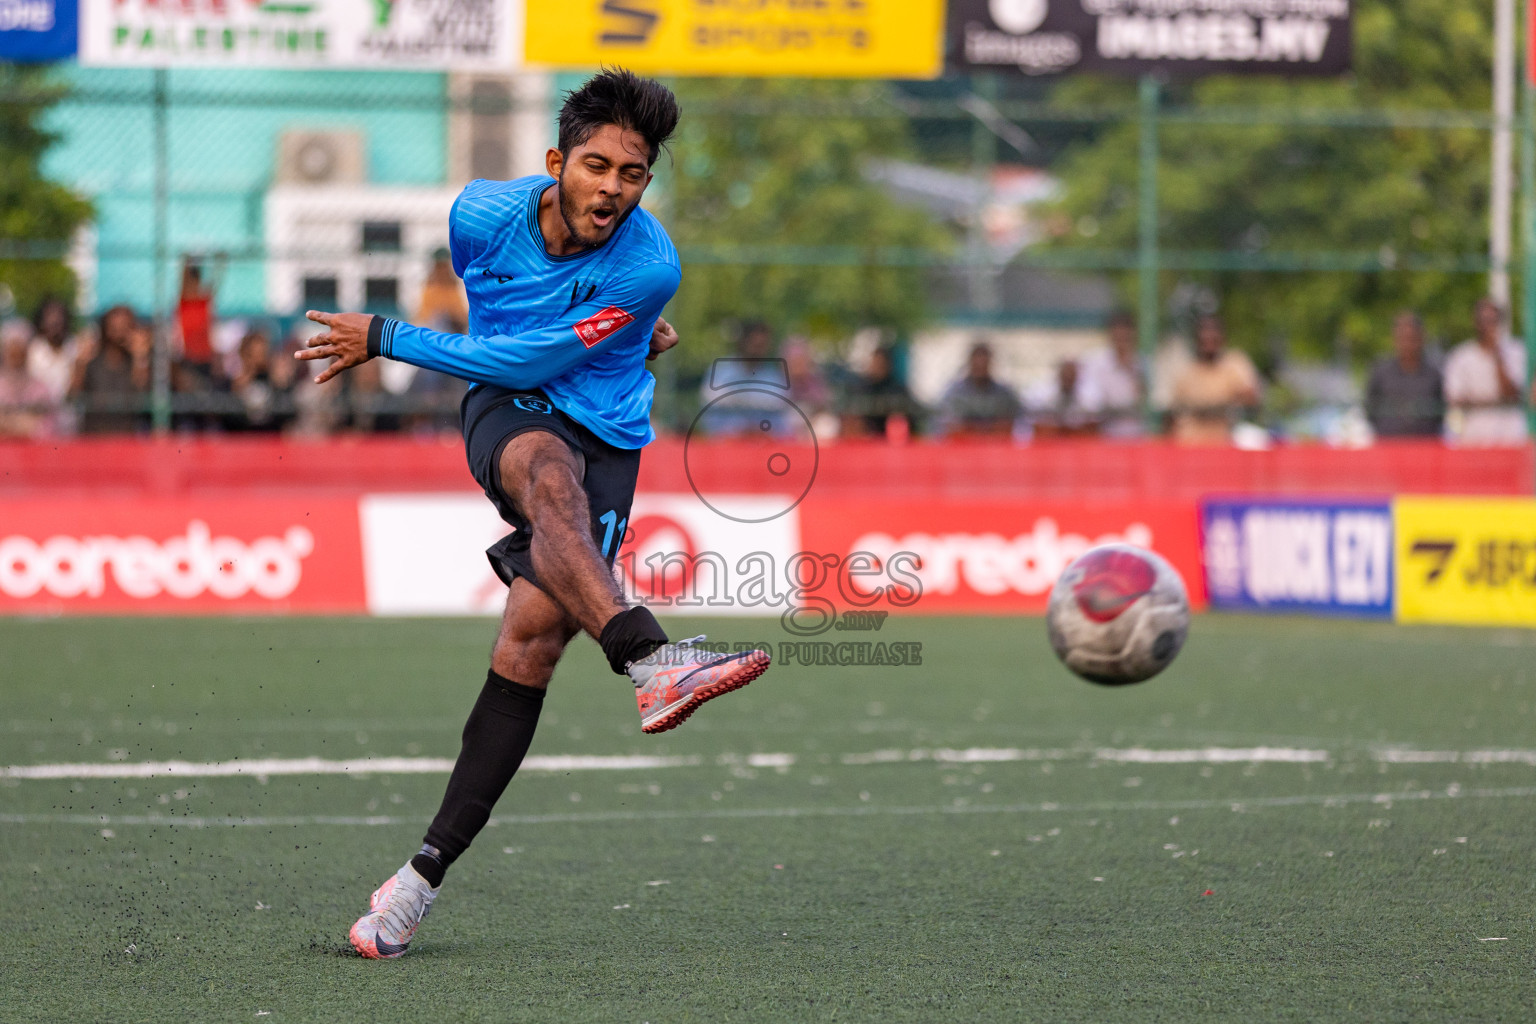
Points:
(1118, 614)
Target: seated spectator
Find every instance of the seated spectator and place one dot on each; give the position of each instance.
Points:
(808, 387)
(742, 393)
(318, 408)
(1215, 390)
(1059, 409)
(976, 404)
(1112, 380)
(1404, 396)
(112, 377)
(261, 386)
(878, 404)
(429, 400)
(443, 305)
(54, 351)
(1485, 382)
(370, 408)
(27, 406)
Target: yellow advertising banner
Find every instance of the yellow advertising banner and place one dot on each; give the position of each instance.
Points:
(1466, 560)
(789, 38)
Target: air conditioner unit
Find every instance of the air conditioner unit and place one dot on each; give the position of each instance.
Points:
(320, 158)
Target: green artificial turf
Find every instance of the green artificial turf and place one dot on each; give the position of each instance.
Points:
(878, 873)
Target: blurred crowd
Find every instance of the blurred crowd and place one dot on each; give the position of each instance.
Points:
(1199, 392)
(60, 378)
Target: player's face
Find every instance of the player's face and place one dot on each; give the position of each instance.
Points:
(601, 181)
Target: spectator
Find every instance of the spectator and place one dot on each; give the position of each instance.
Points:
(260, 387)
(976, 404)
(877, 403)
(1215, 390)
(1485, 382)
(808, 388)
(27, 406)
(194, 317)
(371, 409)
(434, 397)
(55, 348)
(1059, 409)
(443, 306)
(1112, 380)
(741, 394)
(1405, 396)
(318, 408)
(112, 378)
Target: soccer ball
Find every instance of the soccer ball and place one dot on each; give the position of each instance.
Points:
(1118, 615)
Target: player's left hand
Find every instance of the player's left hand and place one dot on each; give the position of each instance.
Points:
(663, 337)
(346, 342)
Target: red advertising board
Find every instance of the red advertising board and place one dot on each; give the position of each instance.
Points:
(985, 556)
(169, 555)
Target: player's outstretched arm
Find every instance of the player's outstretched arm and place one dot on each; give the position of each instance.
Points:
(519, 361)
(614, 317)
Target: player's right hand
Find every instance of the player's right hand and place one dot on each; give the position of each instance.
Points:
(346, 342)
(663, 337)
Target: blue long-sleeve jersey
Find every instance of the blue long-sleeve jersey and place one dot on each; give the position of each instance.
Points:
(578, 327)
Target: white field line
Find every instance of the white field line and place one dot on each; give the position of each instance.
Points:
(1398, 756)
(1213, 755)
(320, 766)
(267, 767)
(1235, 805)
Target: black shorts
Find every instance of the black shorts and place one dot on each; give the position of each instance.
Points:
(492, 416)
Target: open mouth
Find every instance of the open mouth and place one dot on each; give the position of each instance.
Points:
(603, 216)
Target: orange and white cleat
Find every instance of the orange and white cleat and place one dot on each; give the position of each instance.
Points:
(396, 908)
(675, 679)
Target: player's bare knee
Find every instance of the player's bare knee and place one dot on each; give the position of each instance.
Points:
(529, 660)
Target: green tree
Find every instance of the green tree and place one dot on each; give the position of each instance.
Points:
(767, 198)
(37, 216)
(1272, 188)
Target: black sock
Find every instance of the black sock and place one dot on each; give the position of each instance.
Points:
(630, 636)
(429, 865)
(495, 739)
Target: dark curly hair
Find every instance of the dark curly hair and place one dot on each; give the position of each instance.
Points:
(619, 97)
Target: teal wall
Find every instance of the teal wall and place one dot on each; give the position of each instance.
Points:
(222, 131)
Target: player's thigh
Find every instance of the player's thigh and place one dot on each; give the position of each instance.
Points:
(541, 472)
(534, 633)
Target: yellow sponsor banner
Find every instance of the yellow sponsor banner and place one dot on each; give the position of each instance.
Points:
(1466, 560)
(826, 38)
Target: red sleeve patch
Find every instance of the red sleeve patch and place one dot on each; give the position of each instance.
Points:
(599, 325)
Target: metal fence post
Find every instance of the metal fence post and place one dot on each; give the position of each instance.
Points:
(984, 289)
(1527, 122)
(1147, 256)
(160, 396)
